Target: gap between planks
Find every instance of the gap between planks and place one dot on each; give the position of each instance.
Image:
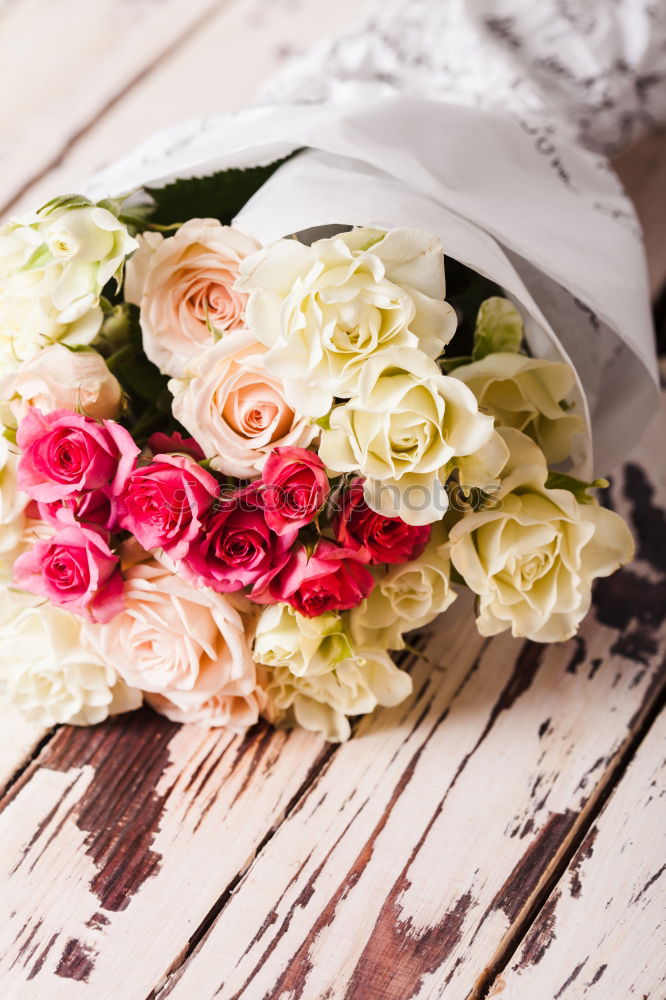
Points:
(571, 845)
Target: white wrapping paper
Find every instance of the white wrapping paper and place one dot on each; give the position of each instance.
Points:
(553, 227)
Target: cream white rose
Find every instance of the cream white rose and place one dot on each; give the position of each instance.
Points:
(312, 676)
(235, 408)
(46, 670)
(406, 596)
(57, 378)
(53, 266)
(404, 431)
(12, 507)
(185, 647)
(324, 310)
(185, 288)
(526, 393)
(533, 559)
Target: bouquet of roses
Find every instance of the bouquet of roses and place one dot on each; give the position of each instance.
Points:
(233, 476)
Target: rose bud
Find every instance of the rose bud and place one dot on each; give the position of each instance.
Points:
(294, 488)
(374, 537)
(330, 579)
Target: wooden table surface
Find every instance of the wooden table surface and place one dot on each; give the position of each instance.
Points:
(502, 833)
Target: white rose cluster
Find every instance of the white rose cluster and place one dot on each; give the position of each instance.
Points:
(53, 266)
(313, 675)
(48, 672)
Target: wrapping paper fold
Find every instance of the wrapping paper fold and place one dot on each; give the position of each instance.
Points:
(549, 223)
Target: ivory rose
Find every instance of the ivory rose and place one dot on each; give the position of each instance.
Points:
(185, 288)
(12, 501)
(404, 431)
(405, 597)
(48, 673)
(526, 393)
(311, 675)
(185, 647)
(60, 379)
(324, 310)
(532, 560)
(235, 407)
(53, 267)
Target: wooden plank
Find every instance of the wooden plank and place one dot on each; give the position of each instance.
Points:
(18, 741)
(118, 842)
(412, 861)
(601, 934)
(219, 67)
(80, 58)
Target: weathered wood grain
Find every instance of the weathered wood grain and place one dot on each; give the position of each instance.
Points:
(601, 935)
(218, 66)
(18, 741)
(410, 862)
(118, 840)
(82, 57)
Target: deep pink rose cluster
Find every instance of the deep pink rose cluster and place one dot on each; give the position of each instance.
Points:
(88, 482)
(250, 539)
(73, 467)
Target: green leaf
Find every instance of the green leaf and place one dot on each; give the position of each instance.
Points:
(112, 205)
(324, 422)
(499, 327)
(64, 201)
(41, 256)
(219, 196)
(579, 488)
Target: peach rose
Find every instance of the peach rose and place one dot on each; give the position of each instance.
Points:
(184, 286)
(236, 409)
(185, 647)
(59, 379)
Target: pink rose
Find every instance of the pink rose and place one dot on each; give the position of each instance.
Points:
(57, 378)
(65, 453)
(237, 548)
(185, 647)
(235, 407)
(76, 570)
(374, 537)
(235, 712)
(163, 504)
(331, 579)
(184, 286)
(96, 508)
(295, 487)
(174, 444)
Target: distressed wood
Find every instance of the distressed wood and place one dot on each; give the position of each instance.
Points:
(118, 841)
(18, 741)
(82, 58)
(413, 860)
(601, 934)
(219, 66)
